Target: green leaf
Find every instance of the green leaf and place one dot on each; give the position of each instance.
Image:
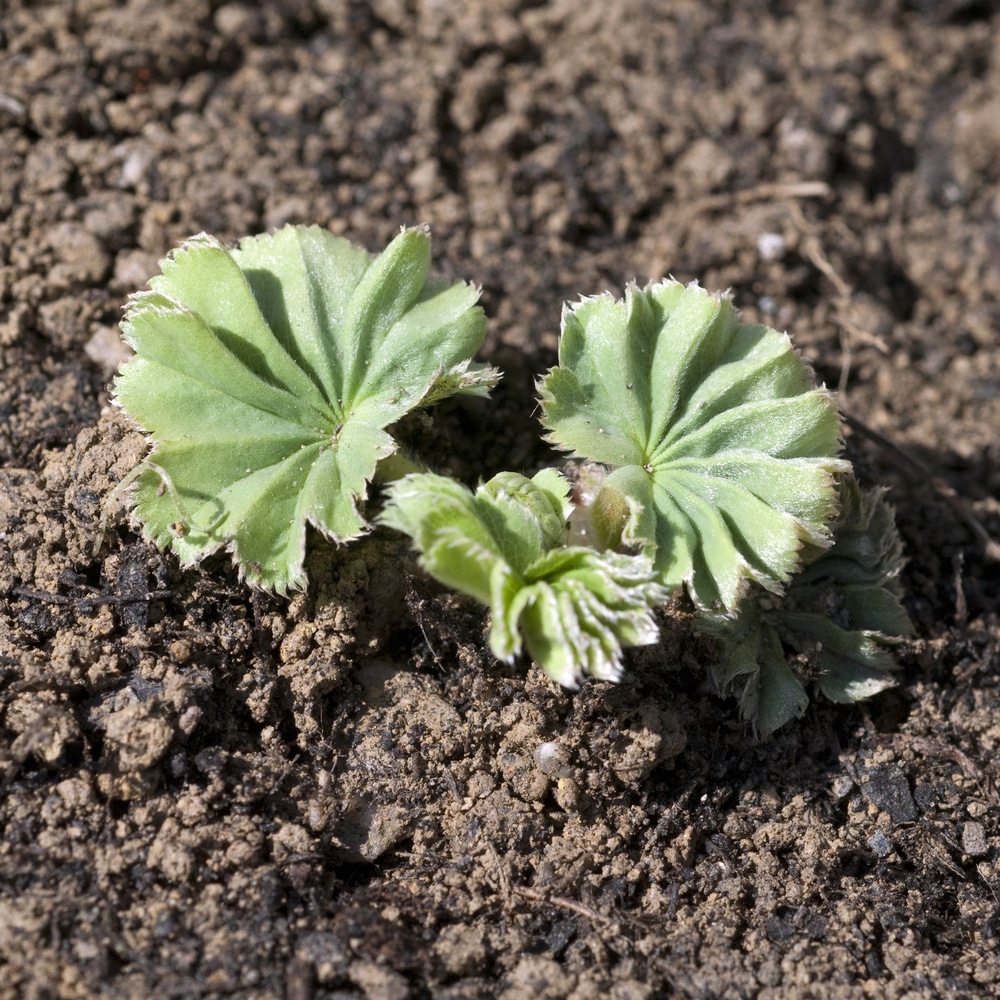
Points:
(714, 430)
(267, 377)
(456, 545)
(572, 608)
(752, 663)
(837, 624)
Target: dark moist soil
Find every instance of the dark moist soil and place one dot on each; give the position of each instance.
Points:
(211, 792)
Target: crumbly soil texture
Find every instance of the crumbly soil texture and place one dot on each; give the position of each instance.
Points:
(213, 792)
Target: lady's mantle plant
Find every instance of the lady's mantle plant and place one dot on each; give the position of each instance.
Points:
(270, 376)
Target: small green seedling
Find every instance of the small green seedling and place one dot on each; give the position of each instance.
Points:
(506, 546)
(270, 377)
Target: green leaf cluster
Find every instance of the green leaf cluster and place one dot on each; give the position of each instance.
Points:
(837, 624)
(267, 377)
(573, 608)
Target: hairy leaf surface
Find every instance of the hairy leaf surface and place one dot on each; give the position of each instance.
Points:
(267, 377)
(719, 443)
(571, 607)
(837, 624)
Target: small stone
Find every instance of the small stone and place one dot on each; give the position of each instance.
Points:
(888, 789)
(880, 844)
(551, 759)
(974, 839)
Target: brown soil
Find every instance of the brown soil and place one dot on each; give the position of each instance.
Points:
(210, 792)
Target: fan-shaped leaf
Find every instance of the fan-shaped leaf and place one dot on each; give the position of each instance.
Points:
(714, 431)
(267, 376)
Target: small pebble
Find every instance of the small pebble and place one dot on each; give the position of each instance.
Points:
(771, 246)
(551, 759)
(880, 844)
(974, 839)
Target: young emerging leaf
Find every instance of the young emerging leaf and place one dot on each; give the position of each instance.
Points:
(267, 376)
(722, 451)
(839, 620)
(573, 608)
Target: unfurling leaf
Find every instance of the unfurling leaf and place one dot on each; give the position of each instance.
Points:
(720, 445)
(266, 377)
(571, 607)
(837, 624)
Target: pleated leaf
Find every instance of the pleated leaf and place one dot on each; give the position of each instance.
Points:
(571, 608)
(837, 625)
(267, 377)
(718, 440)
